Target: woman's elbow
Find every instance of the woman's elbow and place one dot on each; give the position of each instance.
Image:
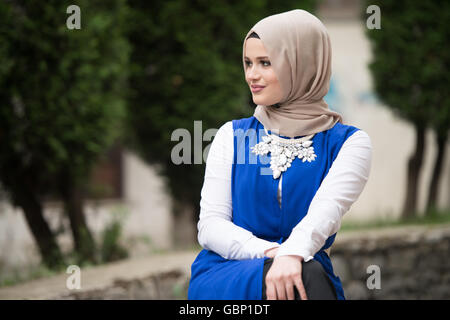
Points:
(201, 236)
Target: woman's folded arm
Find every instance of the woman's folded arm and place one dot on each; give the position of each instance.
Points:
(216, 231)
(340, 188)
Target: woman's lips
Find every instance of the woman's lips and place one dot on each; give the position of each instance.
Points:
(257, 88)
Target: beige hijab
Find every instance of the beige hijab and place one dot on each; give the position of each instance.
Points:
(299, 50)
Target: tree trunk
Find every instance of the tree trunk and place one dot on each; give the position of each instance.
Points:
(82, 237)
(433, 191)
(45, 240)
(414, 167)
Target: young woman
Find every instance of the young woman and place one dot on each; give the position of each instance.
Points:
(277, 184)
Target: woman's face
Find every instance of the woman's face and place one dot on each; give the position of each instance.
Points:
(259, 72)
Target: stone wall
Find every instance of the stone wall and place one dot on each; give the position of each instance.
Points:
(171, 285)
(413, 263)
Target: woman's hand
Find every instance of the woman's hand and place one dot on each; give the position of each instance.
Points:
(283, 275)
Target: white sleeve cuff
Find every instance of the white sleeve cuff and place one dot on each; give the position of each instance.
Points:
(289, 248)
(256, 247)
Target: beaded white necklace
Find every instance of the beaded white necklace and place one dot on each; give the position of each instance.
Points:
(284, 151)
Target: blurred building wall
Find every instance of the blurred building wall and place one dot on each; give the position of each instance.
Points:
(145, 209)
(393, 139)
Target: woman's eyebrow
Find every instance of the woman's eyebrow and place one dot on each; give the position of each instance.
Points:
(257, 57)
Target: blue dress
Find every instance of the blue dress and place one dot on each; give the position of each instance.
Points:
(256, 208)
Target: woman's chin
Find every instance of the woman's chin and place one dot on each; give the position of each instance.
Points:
(259, 101)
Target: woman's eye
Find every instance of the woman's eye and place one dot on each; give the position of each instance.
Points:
(264, 63)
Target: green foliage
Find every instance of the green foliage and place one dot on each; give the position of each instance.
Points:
(411, 60)
(61, 98)
(33, 273)
(186, 65)
(111, 249)
(61, 90)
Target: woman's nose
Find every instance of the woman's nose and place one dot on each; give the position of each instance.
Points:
(252, 73)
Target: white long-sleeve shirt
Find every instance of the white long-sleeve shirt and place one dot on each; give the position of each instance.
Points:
(338, 191)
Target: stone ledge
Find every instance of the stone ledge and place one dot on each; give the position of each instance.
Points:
(98, 278)
(387, 238)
